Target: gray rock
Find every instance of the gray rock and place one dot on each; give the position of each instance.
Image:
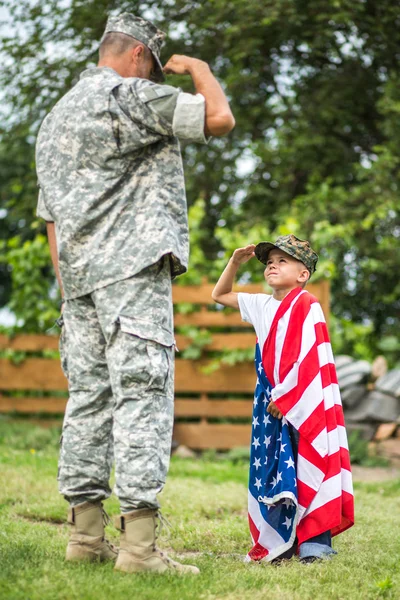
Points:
(365, 430)
(184, 452)
(389, 383)
(342, 360)
(377, 407)
(353, 373)
(351, 396)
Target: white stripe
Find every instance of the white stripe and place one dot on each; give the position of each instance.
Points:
(329, 398)
(308, 473)
(321, 443)
(318, 313)
(308, 402)
(269, 538)
(330, 490)
(347, 481)
(325, 354)
(336, 394)
(334, 440)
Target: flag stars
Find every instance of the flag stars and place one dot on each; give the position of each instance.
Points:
(267, 440)
(258, 483)
(273, 483)
(267, 419)
(283, 447)
(256, 442)
(290, 463)
(257, 463)
(279, 477)
(260, 368)
(287, 502)
(288, 522)
(255, 422)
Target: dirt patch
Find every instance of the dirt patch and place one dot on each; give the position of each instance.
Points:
(375, 474)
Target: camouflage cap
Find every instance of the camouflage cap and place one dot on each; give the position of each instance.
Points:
(141, 30)
(299, 249)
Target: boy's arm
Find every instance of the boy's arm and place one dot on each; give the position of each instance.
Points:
(222, 292)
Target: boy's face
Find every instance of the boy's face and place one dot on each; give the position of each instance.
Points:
(284, 272)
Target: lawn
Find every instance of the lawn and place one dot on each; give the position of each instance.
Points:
(205, 501)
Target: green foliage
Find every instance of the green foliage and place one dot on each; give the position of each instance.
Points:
(359, 451)
(315, 91)
(198, 339)
(32, 300)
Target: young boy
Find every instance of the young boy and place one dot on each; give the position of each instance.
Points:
(300, 485)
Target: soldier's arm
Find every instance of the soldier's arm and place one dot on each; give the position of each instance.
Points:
(219, 119)
(51, 234)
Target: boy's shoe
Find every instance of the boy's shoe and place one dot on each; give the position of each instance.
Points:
(138, 551)
(87, 541)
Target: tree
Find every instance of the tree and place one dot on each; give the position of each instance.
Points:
(314, 89)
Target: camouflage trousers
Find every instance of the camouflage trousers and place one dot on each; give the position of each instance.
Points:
(117, 351)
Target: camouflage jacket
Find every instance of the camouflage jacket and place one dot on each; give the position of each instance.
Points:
(111, 178)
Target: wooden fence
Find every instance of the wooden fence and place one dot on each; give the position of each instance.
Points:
(211, 410)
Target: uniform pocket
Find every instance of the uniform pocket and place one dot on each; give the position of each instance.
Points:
(149, 362)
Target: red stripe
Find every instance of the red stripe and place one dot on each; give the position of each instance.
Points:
(314, 424)
(339, 415)
(305, 494)
(308, 370)
(311, 454)
(292, 344)
(327, 517)
(328, 375)
(269, 349)
(255, 534)
(258, 552)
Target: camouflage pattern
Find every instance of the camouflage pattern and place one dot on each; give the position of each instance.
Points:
(118, 349)
(111, 177)
(292, 245)
(141, 30)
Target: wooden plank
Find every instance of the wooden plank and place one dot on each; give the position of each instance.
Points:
(213, 408)
(201, 294)
(189, 377)
(211, 319)
(46, 374)
(32, 374)
(220, 341)
(202, 436)
(32, 405)
(29, 343)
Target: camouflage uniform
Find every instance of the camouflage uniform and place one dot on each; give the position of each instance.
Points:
(111, 178)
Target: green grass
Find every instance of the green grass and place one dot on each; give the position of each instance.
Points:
(205, 501)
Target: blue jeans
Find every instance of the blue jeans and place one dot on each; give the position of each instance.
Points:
(319, 546)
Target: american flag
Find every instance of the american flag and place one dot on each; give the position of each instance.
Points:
(296, 369)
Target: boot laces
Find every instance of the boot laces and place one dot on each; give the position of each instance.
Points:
(106, 517)
(162, 524)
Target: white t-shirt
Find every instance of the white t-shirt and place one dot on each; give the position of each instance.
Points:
(259, 310)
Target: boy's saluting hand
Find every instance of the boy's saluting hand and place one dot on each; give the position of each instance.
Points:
(222, 292)
(243, 255)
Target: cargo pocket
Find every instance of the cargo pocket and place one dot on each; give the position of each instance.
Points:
(149, 363)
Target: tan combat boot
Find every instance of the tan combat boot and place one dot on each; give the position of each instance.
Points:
(138, 551)
(87, 541)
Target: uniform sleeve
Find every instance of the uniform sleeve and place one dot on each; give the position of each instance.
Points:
(167, 110)
(41, 209)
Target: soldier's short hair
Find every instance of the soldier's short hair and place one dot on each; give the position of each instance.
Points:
(116, 43)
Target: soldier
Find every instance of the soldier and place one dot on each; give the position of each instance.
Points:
(112, 192)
